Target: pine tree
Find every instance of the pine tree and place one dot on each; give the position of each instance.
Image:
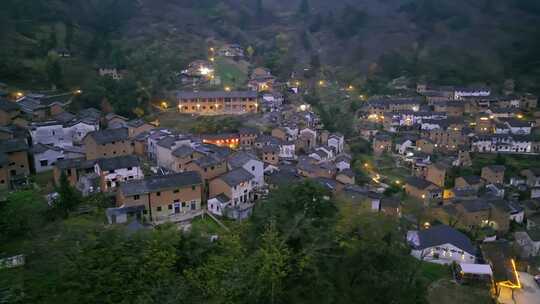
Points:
(304, 8)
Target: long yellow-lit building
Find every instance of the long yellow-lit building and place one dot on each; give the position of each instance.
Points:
(217, 102)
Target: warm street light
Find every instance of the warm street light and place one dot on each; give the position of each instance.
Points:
(78, 92)
(227, 89)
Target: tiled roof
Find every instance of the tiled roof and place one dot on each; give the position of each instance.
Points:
(161, 183)
(442, 234)
(216, 94)
(235, 177)
(119, 162)
(109, 135)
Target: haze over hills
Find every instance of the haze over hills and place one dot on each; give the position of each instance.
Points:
(451, 42)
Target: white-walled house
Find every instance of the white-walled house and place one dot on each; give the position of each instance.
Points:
(343, 162)
(501, 143)
(50, 133)
(113, 171)
(250, 163)
(441, 244)
(461, 93)
(238, 186)
(61, 134)
(45, 156)
(78, 129)
(287, 150)
(336, 141)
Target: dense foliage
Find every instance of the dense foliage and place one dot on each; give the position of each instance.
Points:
(298, 248)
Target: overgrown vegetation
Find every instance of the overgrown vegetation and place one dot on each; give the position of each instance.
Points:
(298, 247)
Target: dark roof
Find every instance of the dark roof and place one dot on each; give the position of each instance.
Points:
(235, 177)
(109, 135)
(222, 198)
(8, 106)
(238, 159)
(390, 202)
(40, 148)
(216, 94)
(496, 168)
(347, 172)
(418, 182)
(119, 162)
(498, 255)
(76, 163)
(207, 161)
(135, 123)
(161, 183)
(13, 145)
(183, 151)
(282, 177)
(270, 148)
(475, 205)
(472, 179)
(442, 234)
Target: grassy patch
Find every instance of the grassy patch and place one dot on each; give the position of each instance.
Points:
(434, 272)
(514, 163)
(206, 225)
(447, 292)
(231, 73)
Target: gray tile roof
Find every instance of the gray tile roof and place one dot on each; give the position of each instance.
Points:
(183, 151)
(235, 177)
(13, 145)
(475, 205)
(207, 161)
(222, 198)
(238, 159)
(76, 163)
(216, 94)
(418, 182)
(161, 183)
(442, 234)
(109, 135)
(8, 106)
(119, 162)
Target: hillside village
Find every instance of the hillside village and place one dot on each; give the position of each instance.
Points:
(458, 168)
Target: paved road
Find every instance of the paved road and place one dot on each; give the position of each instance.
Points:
(529, 294)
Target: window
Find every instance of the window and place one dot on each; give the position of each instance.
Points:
(170, 206)
(159, 208)
(158, 193)
(253, 168)
(129, 168)
(111, 171)
(136, 197)
(44, 163)
(176, 191)
(192, 187)
(212, 168)
(2, 181)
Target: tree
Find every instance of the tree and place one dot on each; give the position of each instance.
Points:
(303, 8)
(54, 71)
(259, 10)
(70, 32)
(68, 198)
(272, 265)
(22, 214)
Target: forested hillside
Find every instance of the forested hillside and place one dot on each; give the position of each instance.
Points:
(451, 42)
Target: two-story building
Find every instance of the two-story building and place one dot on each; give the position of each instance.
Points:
(107, 143)
(115, 170)
(164, 198)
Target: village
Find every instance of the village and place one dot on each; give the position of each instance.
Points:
(458, 168)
